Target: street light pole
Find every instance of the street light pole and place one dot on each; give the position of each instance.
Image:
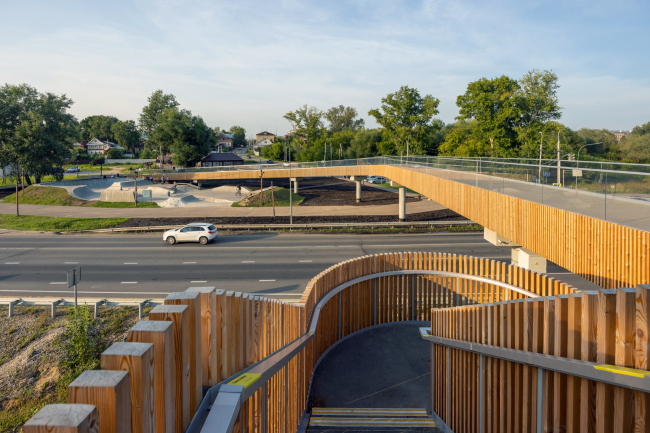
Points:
(290, 191)
(541, 142)
(558, 155)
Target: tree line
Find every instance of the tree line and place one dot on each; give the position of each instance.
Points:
(500, 117)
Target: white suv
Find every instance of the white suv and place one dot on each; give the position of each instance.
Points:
(195, 232)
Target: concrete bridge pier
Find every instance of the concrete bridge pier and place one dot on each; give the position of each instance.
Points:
(295, 184)
(357, 180)
(402, 200)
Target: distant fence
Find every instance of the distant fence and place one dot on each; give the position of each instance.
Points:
(129, 161)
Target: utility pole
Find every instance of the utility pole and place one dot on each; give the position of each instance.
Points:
(558, 157)
(407, 148)
(290, 192)
(17, 210)
(541, 141)
(261, 186)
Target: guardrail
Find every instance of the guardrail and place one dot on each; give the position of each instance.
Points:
(295, 226)
(576, 362)
(53, 302)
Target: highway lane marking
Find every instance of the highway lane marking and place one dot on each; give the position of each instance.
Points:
(70, 263)
(129, 282)
(63, 282)
(131, 263)
(248, 261)
(189, 263)
(305, 261)
(12, 263)
(204, 281)
(264, 281)
(69, 291)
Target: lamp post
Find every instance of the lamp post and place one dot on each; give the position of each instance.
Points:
(558, 155)
(578, 161)
(541, 142)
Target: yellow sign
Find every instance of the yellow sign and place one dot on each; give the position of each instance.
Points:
(623, 370)
(246, 379)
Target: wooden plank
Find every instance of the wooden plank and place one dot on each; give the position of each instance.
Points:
(208, 299)
(625, 329)
(574, 343)
(548, 348)
(180, 317)
(64, 418)
(588, 352)
(192, 300)
(560, 343)
(137, 360)
(606, 338)
(110, 392)
(642, 400)
(161, 335)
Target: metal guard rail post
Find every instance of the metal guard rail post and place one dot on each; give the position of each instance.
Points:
(231, 393)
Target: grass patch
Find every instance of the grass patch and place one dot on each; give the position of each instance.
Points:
(44, 179)
(45, 195)
(29, 222)
(123, 204)
(388, 185)
(281, 196)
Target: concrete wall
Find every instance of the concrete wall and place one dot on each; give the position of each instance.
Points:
(117, 196)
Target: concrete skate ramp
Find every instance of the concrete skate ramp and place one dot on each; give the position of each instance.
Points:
(84, 193)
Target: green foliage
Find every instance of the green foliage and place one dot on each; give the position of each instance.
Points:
(635, 147)
(538, 102)
(343, 118)
(126, 134)
(407, 119)
(36, 131)
(81, 344)
(187, 136)
(364, 144)
(98, 127)
(26, 222)
(239, 136)
(274, 152)
(153, 111)
(608, 146)
(114, 154)
(307, 123)
(463, 140)
(642, 129)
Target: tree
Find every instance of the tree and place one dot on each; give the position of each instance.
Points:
(307, 123)
(464, 139)
(364, 143)
(239, 136)
(635, 147)
(341, 118)
(98, 126)
(608, 147)
(642, 130)
(36, 132)
(114, 154)
(126, 134)
(187, 136)
(493, 104)
(407, 119)
(538, 103)
(152, 112)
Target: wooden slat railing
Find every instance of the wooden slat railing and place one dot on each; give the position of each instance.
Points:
(604, 327)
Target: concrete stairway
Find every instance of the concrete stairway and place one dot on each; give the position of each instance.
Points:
(371, 419)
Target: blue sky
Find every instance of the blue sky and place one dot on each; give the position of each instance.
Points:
(249, 62)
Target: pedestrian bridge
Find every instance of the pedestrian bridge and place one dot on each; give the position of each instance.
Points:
(596, 224)
(508, 350)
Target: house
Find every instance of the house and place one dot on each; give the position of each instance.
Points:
(100, 146)
(225, 141)
(257, 147)
(215, 159)
(264, 135)
(81, 144)
(620, 134)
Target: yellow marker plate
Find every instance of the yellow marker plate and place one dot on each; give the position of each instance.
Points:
(623, 370)
(246, 379)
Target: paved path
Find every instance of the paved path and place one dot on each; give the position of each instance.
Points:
(144, 266)
(90, 212)
(385, 367)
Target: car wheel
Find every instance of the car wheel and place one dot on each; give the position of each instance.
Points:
(203, 240)
(171, 240)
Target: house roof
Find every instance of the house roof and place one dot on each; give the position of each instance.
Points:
(226, 137)
(215, 157)
(265, 133)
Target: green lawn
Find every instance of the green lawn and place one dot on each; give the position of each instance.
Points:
(281, 196)
(29, 222)
(53, 196)
(388, 185)
(11, 181)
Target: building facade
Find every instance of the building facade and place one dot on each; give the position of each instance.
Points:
(101, 147)
(215, 159)
(620, 134)
(264, 135)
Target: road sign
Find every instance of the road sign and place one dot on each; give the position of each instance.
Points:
(146, 193)
(547, 174)
(74, 276)
(576, 173)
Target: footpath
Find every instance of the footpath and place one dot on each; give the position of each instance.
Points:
(90, 212)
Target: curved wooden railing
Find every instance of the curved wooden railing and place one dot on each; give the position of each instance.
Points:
(205, 337)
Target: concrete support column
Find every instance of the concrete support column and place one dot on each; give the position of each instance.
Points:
(358, 182)
(402, 203)
(295, 184)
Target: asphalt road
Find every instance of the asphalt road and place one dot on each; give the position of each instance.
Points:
(142, 266)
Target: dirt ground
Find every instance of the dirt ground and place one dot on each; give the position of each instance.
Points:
(438, 215)
(31, 352)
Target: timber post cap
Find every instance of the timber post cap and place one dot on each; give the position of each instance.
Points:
(166, 309)
(64, 415)
(151, 325)
(129, 349)
(181, 295)
(99, 379)
(201, 289)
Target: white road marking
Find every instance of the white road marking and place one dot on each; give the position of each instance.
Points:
(189, 263)
(248, 261)
(131, 263)
(129, 282)
(63, 282)
(199, 281)
(305, 261)
(70, 263)
(263, 281)
(12, 263)
(68, 291)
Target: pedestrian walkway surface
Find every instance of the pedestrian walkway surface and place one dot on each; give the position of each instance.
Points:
(383, 367)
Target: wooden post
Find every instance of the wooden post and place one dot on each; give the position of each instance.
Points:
(110, 392)
(208, 333)
(137, 359)
(64, 418)
(588, 352)
(625, 330)
(574, 325)
(192, 300)
(606, 337)
(179, 315)
(641, 399)
(161, 335)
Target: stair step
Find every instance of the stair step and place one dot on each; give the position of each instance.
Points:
(375, 412)
(370, 422)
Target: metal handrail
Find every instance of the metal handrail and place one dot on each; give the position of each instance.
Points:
(231, 394)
